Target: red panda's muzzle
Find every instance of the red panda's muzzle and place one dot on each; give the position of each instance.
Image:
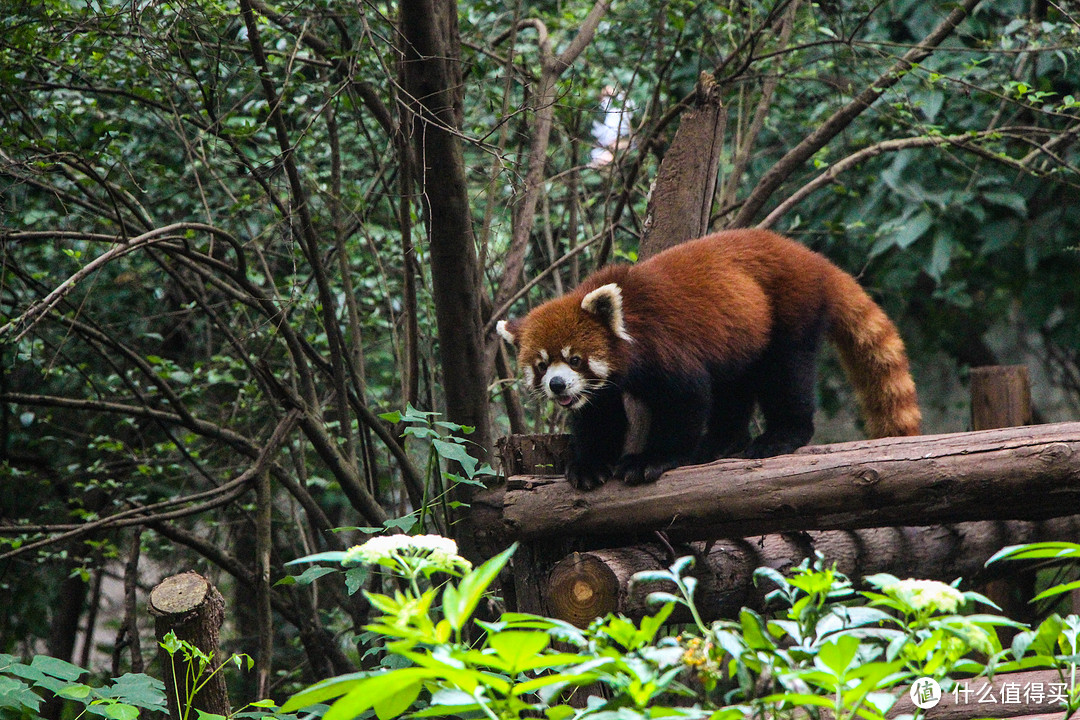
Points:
(565, 386)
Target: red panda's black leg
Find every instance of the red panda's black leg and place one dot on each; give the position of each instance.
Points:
(785, 381)
(728, 432)
(597, 432)
(678, 411)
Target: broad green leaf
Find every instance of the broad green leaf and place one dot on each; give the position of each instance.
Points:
(117, 711)
(837, 655)
(57, 668)
(375, 690)
(76, 691)
(472, 587)
(138, 689)
(322, 691)
(398, 702)
(518, 646)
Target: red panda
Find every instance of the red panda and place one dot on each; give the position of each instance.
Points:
(660, 364)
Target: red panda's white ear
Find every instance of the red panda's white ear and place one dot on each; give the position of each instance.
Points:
(606, 304)
(508, 331)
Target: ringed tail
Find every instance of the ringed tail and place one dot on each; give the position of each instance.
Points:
(874, 359)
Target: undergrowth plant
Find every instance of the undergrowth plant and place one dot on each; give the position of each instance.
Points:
(820, 647)
(824, 648)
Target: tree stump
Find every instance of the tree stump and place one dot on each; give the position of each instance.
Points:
(193, 609)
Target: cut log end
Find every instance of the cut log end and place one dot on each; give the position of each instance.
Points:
(581, 588)
(179, 594)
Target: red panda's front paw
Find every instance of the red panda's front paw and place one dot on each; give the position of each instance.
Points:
(637, 470)
(586, 477)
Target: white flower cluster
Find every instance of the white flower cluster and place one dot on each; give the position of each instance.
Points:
(435, 549)
(927, 595)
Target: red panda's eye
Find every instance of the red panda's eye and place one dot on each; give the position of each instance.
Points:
(575, 362)
(541, 367)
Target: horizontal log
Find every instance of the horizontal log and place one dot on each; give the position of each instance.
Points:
(585, 585)
(1025, 473)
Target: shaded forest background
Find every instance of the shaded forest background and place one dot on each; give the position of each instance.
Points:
(253, 255)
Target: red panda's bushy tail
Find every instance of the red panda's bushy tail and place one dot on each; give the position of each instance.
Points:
(874, 358)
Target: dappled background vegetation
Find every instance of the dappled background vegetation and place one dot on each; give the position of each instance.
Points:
(225, 254)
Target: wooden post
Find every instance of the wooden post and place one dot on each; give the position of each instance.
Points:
(193, 609)
(1000, 397)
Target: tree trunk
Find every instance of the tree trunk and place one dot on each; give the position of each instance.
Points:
(433, 83)
(189, 606)
(1026, 473)
(682, 196)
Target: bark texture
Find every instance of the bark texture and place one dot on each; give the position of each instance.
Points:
(1025, 473)
(432, 72)
(682, 196)
(189, 606)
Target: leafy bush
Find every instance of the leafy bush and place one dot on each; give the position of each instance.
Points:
(848, 653)
(826, 649)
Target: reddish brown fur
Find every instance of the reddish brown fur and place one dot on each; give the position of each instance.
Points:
(721, 298)
(662, 363)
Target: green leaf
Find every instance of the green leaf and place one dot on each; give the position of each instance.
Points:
(57, 668)
(138, 689)
(398, 702)
(334, 556)
(77, 691)
(457, 453)
(15, 694)
(1037, 551)
(307, 577)
(459, 604)
(838, 654)
(322, 691)
(377, 690)
(118, 711)
(913, 229)
(754, 630)
(941, 255)
(518, 646)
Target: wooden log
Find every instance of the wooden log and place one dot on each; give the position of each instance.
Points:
(586, 585)
(1027, 473)
(193, 609)
(1000, 397)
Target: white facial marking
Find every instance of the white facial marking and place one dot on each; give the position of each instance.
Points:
(528, 374)
(566, 352)
(572, 395)
(544, 356)
(599, 368)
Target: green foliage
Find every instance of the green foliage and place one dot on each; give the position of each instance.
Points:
(25, 686)
(160, 378)
(826, 646)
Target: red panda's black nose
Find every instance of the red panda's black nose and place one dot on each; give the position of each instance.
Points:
(557, 384)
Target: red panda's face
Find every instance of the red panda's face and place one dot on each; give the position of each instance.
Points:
(566, 375)
(565, 351)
